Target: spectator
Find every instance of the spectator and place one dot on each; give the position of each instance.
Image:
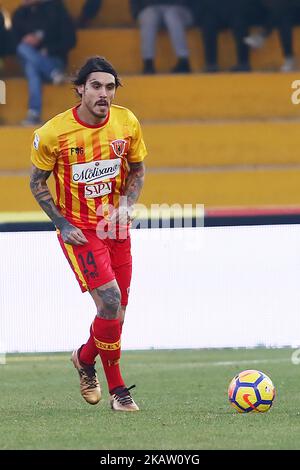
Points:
(6, 40)
(215, 15)
(2, 37)
(279, 14)
(44, 34)
(176, 16)
(89, 10)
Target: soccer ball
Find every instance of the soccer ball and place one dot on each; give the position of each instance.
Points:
(251, 390)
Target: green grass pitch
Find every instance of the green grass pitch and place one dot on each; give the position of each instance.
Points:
(182, 395)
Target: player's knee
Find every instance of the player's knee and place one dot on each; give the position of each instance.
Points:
(110, 303)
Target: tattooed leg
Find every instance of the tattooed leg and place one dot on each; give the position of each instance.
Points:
(107, 299)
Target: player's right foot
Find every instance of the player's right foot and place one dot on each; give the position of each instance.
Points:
(89, 384)
(121, 400)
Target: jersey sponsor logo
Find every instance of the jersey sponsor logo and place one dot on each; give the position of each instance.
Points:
(119, 147)
(95, 171)
(36, 141)
(97, 190)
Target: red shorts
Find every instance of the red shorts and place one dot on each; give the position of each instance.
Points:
(100, 261)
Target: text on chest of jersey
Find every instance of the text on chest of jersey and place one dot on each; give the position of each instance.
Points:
(95, 171)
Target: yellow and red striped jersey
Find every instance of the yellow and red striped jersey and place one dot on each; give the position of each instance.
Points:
(89, 163)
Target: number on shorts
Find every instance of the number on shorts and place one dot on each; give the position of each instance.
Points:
(87, 262)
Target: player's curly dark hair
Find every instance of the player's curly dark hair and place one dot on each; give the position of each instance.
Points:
(94, 64)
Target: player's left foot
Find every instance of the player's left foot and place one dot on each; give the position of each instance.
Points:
(121, 400)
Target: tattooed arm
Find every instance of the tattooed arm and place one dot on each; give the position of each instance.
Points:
(133, 187)
(135, 182)
(40, 190)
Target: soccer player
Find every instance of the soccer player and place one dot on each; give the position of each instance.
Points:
(95, 151)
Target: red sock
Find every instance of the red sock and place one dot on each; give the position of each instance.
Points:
(107, 340)
(89, 352)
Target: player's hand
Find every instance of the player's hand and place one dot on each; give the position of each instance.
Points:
(73, 235)
(121, 216)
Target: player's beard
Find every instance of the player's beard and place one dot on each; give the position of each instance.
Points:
(97, 115)
(100, 114)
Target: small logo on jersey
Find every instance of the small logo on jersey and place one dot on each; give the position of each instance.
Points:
(36, 141)
(96, 190)
(119, 147)
(95, 171)
(77, 150)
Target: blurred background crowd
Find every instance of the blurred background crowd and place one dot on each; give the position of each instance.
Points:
(41, 33)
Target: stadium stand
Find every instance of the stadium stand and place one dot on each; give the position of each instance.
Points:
(221, 140)
(113, 12)
(117, 35)
(122, 46)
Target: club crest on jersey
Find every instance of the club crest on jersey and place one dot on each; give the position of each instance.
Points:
(119, 147)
